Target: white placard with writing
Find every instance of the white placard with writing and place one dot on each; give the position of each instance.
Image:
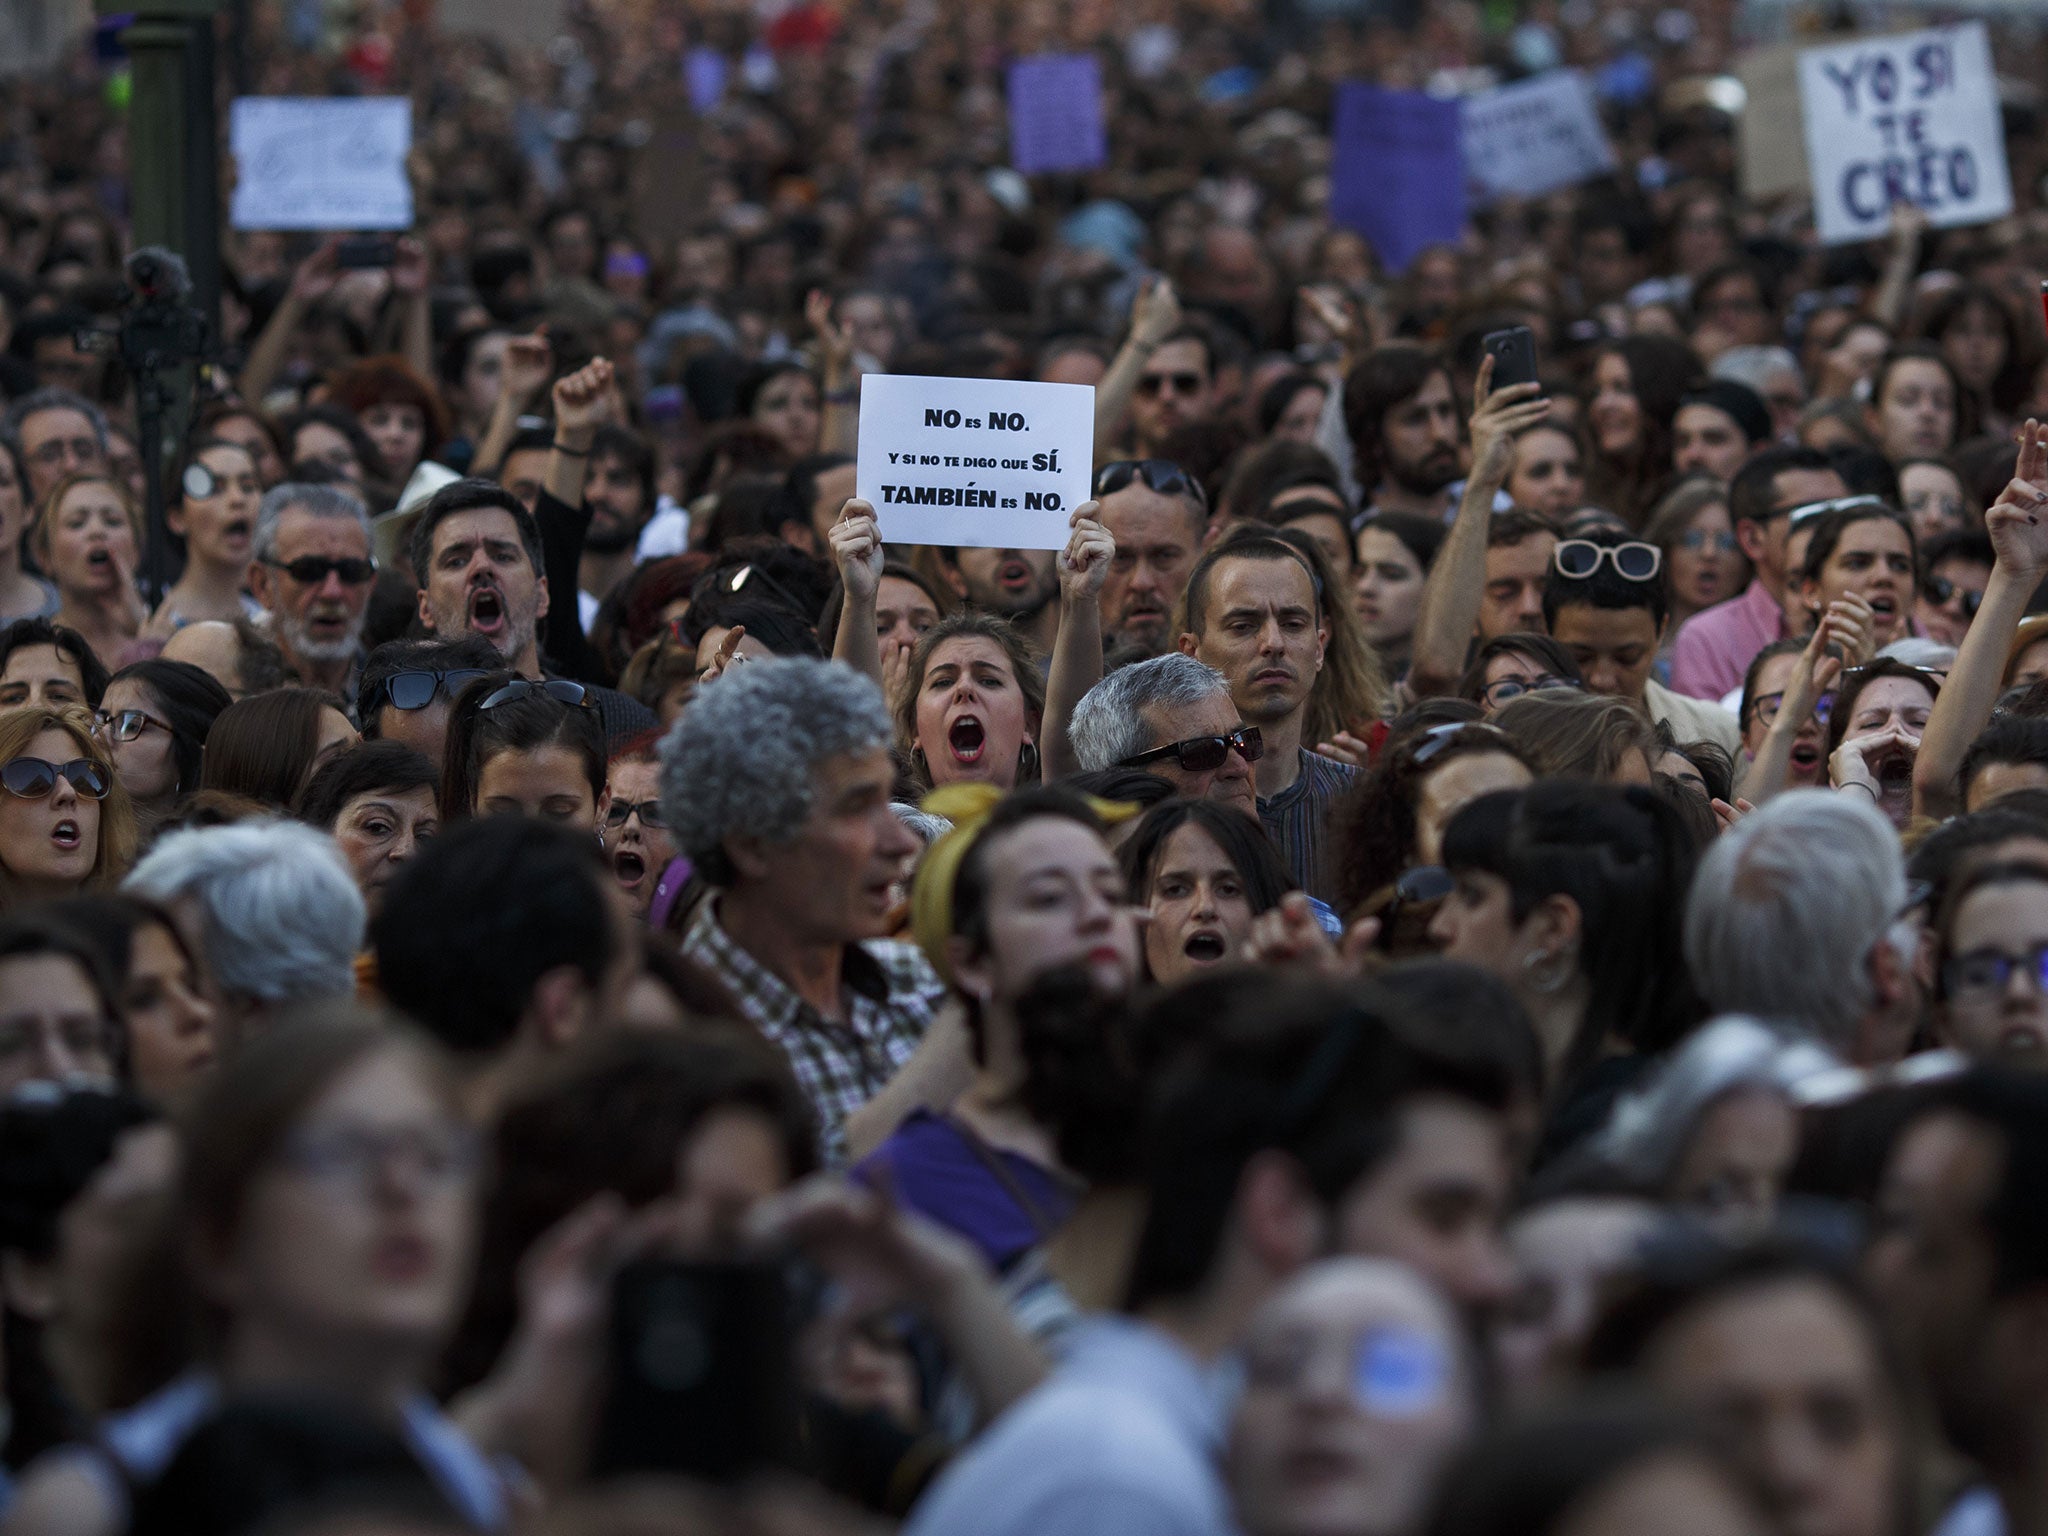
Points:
(1533, 137)
(1912, 118)
(988, 462)
(317, 162)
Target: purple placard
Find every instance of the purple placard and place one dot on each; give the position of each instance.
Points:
(1398, 175)
(1056, 114)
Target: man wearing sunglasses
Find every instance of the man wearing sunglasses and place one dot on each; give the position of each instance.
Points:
(312, 570)
(408, 687)
(1606, 605)
(1714, 649)
(1958, 569)
(1176, 388)
(1173, 717)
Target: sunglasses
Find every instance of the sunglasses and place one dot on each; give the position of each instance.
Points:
(412, 690)
(1419, 886)
(1580, 558)
(558, 689)
(649, 810)
(1437, 737)
(1153, 385)
(1161, 475)
(32, 777)
(311, 570)
(1805, 514)
(1940, 590)
(1204, 754)
(126, 725)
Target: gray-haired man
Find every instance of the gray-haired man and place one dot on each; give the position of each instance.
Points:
(313, 571)
(1173, 717)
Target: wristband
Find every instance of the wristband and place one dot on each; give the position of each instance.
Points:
(1859, 784)
(574, 453)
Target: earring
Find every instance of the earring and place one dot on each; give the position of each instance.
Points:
(1552, 978)
(1027, 763)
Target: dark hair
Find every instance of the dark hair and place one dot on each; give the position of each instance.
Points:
(1625, 859)
(1606, 588)
(1554, 659)
(391, 380)
(970, 623)
(1864, 471)
(1421, 536)
(2012, 1106)
(1849, 688)
(1752, 494)
(339, 420)
(776, 625)
(471, 495)
(1755, 671)
(190, 700)
(1244, 843)
(1260, 475)
(614, 1115)
(1829, 527)
(1972, 544)
(2013, 871)
(1301, 1066)
(1372, 828)
(612, 441)
(1964, 425)
(2015, 376)
(395, 656)
(376, 766)
(1660, 370)
(1131, 786)
(1277, 396)
(1512, 525)
(1245, 544)
(1468, 1012)
(69, 642)
(476, 735)
(1378, 382)
(2007, 739)
(480, 915)
(263, 746)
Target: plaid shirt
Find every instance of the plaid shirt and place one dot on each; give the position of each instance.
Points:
(891, 994)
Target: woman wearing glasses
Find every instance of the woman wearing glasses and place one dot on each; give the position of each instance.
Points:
(154, 718)
(636, 836)
(213, 511)
(1992, 929)
(1703, 565)
(1510, 665)
(269, 745)
(65, 823)
(525, 748)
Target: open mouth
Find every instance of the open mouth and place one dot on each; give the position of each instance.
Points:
(238, 529)
(1014, 575)
(1205, 947)
(1886, 608)
(1895, 772)
(629, 867)
(65, 834)
(1805, 755)
(486, 611)
(966, 738)
(97, 558)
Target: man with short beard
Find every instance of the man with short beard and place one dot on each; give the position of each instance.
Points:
(1021, 585)
(312, 571)
(1404, 422)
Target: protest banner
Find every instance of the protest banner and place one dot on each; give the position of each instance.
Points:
(1397, 172)
(1912, 118)
(1056, 114)
(1533, 137)
(1770, 133)
(987, 462)
(305, 162)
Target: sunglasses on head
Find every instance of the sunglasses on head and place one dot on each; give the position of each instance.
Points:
(1437, 737)
(311, 570)
(1204, 754)
(1580, 558)
(33, 777)
(415, 689)
(1940, 590)
(1160, 475)
(1152, 385)
(1422, 884)
(559, 689)
(1802, 515)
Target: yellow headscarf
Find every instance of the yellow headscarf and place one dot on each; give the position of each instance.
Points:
(967, 806)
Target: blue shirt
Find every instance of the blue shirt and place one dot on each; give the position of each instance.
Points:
(1122, 1440)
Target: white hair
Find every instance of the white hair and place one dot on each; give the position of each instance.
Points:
(1108, 724)
(1787, 906)
(283, 917)
(1756, 366)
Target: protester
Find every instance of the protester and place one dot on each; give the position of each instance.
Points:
(56, 1011)
(1205, 873)
(518, 747)
(88, 539)
(269, 746)
(65, 821)
(380, 802)
(213, 514)
(154, 718)
(166, 1021)
(312, 572)
(637, 840)
(1173, 717)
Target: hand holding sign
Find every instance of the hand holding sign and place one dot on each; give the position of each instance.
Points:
(857, 550)
(1084, 563)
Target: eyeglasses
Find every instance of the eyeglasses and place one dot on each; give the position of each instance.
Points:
(125, 725)
(1204, 754)
(1988, 972)
(559, 689)
(1694, 540)
(1805, 514)
(33, 777)
(357, 1156)
(311, 570)
(412, 690)
(1152, 385)
(1940, 590)
(1501, 690)
(1160, 475)
(1766, 706)
(649, 812)
(1580, 558)
(1437, 737)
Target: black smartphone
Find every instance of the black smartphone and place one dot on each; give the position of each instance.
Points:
(702, 1371)
(1514, 355)
(366, 251)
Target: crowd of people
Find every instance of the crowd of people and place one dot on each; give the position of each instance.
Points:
(1469, 958)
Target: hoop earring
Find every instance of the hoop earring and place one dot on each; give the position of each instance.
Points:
(1027, 763)
(1552, 978)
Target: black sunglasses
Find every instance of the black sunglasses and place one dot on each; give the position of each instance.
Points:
(311, 570)
(34, 777)
(1437, 737)
(1940, 589)
(1160, 475)
(559, 689)
(415, 689)
(1151, 385)
(1202, 754)
(650, 813)
(1421, 885)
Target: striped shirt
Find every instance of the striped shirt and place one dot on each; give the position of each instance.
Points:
(891, 993)
(1295, 819)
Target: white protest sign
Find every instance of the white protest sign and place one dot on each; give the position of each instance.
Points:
(307, 162)
(1912, 118)
(1533, 137)
(987, 462)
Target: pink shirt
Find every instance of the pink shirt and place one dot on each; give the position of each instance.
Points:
(1715, 647)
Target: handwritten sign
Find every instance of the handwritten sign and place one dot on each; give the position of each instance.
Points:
(988, 462)
(1056, 114)
(321, 162)
(1533, 137)
(1397, 173)
(1912, 118)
